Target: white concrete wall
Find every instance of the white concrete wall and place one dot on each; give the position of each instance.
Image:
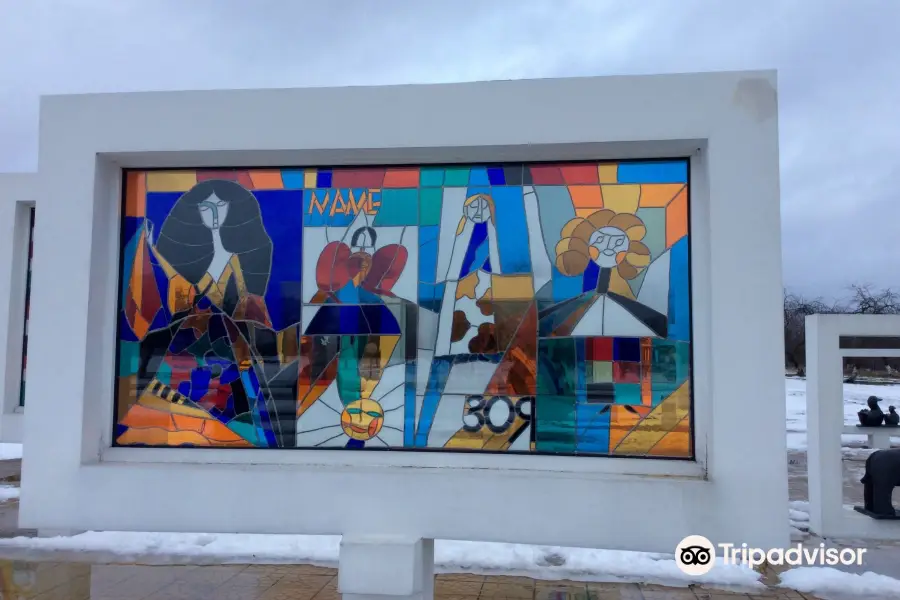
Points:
(18, 192)
(735, 491)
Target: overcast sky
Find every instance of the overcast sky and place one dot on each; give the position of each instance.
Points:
(838, 63)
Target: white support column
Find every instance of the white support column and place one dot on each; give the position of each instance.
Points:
(374, 567)
(825, 415)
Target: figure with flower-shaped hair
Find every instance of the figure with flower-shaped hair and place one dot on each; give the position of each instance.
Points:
(605, 250)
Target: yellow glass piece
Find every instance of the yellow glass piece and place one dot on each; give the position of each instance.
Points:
(661, 420)
(512, 287)
(171, 181)
(621, 198)
(609, 173)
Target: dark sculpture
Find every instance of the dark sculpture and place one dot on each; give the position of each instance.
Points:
(872, 416)
(892, 419)
(882, 476)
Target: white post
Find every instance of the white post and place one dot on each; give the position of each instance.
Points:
(825, 414)
(373, 567)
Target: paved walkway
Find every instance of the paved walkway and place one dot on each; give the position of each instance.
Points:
(55, 581)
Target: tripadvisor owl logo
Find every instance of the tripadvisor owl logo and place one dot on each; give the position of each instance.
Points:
(695, 555)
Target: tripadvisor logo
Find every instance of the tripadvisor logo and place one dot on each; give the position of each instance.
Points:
(695, 555)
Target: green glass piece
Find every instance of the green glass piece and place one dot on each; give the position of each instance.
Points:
(456, 177)
(430, 200)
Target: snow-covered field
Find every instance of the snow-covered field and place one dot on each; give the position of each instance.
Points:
(10, 451)
(542, 562)
(855, 397)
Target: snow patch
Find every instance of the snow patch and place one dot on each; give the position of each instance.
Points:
(8, 492)
(10, 451)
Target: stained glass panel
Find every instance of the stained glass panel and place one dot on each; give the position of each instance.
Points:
(534, 308)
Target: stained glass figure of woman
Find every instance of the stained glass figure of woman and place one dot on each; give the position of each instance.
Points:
(199, 374)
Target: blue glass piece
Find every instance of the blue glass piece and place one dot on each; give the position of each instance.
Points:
(184, 388)
(282, 214)
(120, 429)
(125, 332)
(254, 381)
(590, 277)
(496, 176)
(349, 294)
(592, 430)
(478, 176)
(159, 320)
(159, 205)
(428, 250)
(628, 393)
(409, 405)
(128, 255)
(204, 303)
(580, 376)
(293, 179)
(434, 389)
(566, 287)
(477, 251)
(182, 340)
(162, 286)
(355, 444)
(679, 292)
(431, 296)
(200, 379)
(627, 349)
(323, 179)
(653, 172)
(229, 374)
(512, 230)
(342, 319)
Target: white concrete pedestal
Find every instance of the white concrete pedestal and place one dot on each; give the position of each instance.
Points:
(879, 437)
(374, 567)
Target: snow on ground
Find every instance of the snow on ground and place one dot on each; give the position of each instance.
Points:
(10, 451)
(798, 514)
(540, 562)
(855, 396)
(827, 580)
(8, 492)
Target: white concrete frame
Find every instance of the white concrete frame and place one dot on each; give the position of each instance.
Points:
(825, 422)
(736, 490)
(18, 193)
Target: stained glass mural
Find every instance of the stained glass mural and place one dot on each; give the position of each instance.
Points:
(536, 308)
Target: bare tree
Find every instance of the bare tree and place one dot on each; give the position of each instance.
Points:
(796, 309)
(867, 300)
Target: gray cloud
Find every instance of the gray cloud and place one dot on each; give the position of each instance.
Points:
(837, 62)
